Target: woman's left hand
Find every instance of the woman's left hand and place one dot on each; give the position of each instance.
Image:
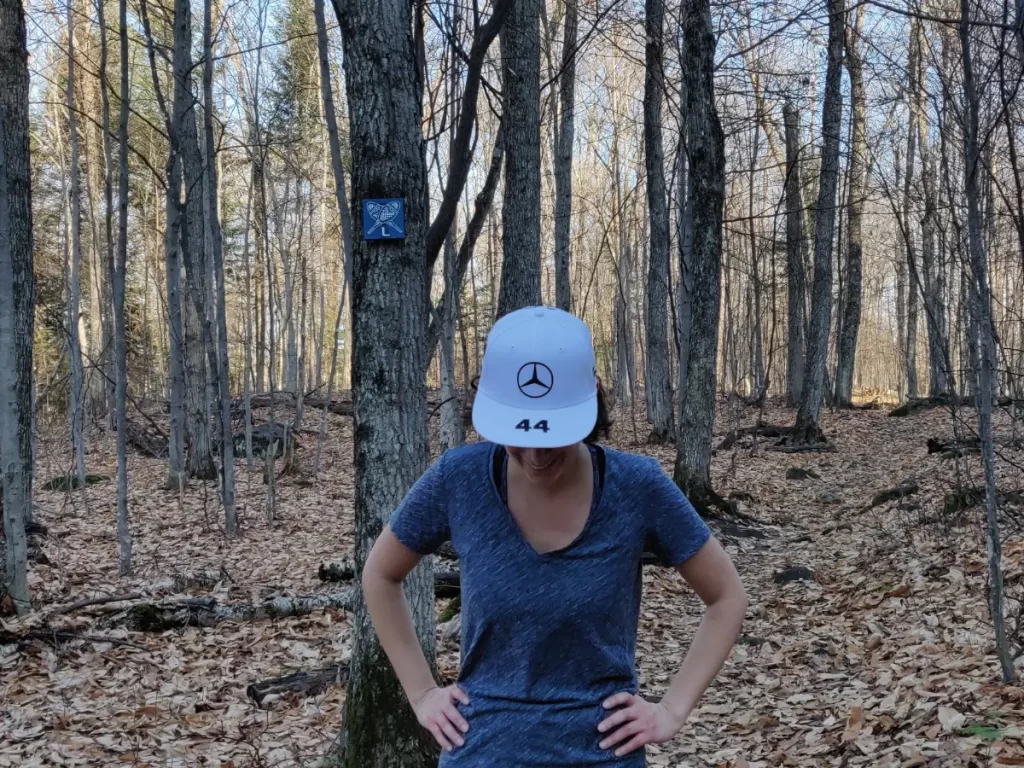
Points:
(644, 721)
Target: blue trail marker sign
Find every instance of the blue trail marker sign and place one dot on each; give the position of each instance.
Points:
(384, 219)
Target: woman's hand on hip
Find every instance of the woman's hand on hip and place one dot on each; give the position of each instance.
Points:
(437, 712)
(636, 722)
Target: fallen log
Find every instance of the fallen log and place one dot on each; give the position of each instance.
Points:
(916, 404)
(71, 482)
(964, 446)
(146, 439)
(446, 583)
(161, 616)
(311, 683)
(965, 498)
(891, 494)
(757, 430)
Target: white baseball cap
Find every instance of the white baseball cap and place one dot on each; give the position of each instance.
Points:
(538, 383)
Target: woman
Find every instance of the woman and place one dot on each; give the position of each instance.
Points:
(550, 529)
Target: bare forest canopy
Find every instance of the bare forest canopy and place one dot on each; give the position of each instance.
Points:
(777, 218)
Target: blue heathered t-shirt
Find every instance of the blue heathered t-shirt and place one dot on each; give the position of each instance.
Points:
(546, 637)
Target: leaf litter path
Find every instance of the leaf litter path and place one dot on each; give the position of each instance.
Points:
(885, 659)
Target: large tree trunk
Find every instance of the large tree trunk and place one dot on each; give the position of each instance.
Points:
(200, 354)
(796, 247)
(706, 157)
(520, 213)
(213, 217)
(176, 475)
(563, 158)
(77, 409)
(657, 376)
(850, 318)
(390, 300)
(985, 357)
(808, 429)
(17, 301)
(684, 234)
(117, 281)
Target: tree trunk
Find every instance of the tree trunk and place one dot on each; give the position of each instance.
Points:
(856, 188)
(913, 105)
(808, 429)
(520, 213)
(706, 158)
(77, 411)
(341, 198)
(117, 281)
(796, 246)
(109, 343)
(451, 412)
(17, 301)
(940, 370)
(216, 242)
(390, 301)
(563, 158)
(658, 379)
(985, 357)
(684, 225)
(481, 209)
(176, 476)
(200, 353)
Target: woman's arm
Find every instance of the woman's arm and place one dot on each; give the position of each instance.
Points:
(387, 565)
(713, 577)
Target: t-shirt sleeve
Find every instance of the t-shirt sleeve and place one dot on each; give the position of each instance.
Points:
(675, 532)
(421, 520)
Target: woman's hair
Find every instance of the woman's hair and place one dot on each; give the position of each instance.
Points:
(602, 427)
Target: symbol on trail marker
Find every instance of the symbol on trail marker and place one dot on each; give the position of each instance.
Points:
(384, 219)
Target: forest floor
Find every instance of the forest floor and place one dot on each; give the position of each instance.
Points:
(884, 658)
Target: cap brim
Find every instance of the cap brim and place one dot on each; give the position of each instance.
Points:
(558, 427)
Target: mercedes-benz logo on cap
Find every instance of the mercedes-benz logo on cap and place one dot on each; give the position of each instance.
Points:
(535, 380)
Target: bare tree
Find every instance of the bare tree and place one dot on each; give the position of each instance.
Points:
(389, 305)
(17, 301)
(176, 471)
(808, 429)
(117, 282)
(796, 247)
(706, 160)
(564, 139)
(77, 410)
(985, 349)
(657, 376)
(849, 325)
(520, 213)
(216, 242)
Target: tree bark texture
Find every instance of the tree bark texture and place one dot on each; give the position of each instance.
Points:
(796, 248)
(856, 188)
(706, 158)
(77, 414)
(200, 355)
(657, 375)
(17, 301)
(390, 301)
(216, 246)
(913, 107)
(124, 536)
(520, 212)
(985, 354)
(808, 429)
(563, 158)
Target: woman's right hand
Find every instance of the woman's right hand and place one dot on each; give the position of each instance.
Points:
(437, 712)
